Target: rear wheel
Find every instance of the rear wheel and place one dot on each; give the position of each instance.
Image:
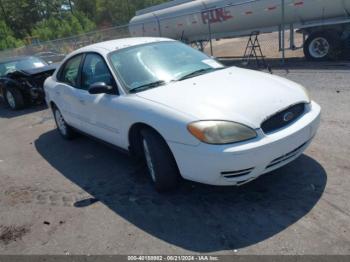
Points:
(63, 128)
(321, 46)
(14, 98)
(160, 162)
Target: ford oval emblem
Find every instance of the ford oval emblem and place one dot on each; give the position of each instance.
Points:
(288, 116)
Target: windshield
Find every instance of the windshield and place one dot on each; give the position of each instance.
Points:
(20, 64)
(154, 64)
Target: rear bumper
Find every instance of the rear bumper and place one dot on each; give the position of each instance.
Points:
(240, 163)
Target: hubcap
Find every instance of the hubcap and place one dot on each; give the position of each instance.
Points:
(149, 160)
(60, 122)
(10, 99)
(319, 47)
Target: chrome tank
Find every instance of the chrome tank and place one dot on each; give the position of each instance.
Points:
(189, 20)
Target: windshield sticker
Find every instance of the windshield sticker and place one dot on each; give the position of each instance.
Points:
(212, 63)
(38, 64)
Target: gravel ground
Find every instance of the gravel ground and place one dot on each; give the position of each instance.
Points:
(81, 197)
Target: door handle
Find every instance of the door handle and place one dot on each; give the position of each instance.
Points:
(58, 93)
(82, 101)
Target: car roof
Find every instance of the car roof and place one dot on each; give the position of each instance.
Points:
(15, 58)
(112, 45)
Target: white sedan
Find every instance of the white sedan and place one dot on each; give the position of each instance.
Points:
(181, 111)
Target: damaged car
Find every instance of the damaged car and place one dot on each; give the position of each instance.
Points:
(22, 79)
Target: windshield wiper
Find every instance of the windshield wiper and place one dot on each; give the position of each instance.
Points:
(198, 72)
(147, 86)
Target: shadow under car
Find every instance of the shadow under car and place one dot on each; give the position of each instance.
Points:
(6, 112)
(195, 217)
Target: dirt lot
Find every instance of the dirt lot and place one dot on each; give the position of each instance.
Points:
(81, 197)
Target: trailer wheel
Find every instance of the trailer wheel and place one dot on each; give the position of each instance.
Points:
(321, 46)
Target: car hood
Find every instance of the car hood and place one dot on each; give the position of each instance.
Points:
(39, 70)
(233, 94)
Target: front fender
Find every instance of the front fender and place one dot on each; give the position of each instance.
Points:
(8, 82)
(170, 124)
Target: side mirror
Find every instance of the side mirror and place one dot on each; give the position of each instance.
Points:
(101, 88)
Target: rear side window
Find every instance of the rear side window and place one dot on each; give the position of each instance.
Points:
(70, 72)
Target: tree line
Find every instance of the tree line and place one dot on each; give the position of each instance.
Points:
(25, 21)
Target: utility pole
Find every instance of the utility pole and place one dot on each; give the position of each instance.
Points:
(4, 13)
(6, 19)
(283, 29)
(70, 6)
(128, 6)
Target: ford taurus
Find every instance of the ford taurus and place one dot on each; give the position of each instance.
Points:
(182, 112)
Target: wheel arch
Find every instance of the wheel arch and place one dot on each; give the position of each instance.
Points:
(134, 137)
(135, 142)
(52, 104)
(321, 29)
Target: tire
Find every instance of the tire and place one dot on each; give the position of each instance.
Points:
(323, 46)
(66, 131)
(160, 161)
(346, 49)
(13, 98)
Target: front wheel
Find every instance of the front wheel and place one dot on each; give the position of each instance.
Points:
(63, 128)
(160, 162)
(14, 98)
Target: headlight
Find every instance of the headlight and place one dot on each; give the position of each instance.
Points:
(220, 132)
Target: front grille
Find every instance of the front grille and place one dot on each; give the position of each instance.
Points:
(287, 156)
(283, 118)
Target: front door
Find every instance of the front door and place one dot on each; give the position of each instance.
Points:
(102, 110)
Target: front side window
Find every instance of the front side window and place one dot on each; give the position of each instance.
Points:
(70, 71)
(95, 70)
(159, 62)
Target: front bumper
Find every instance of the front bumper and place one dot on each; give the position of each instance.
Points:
(240, 163)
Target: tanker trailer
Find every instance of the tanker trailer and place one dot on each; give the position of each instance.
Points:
(325, 23)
